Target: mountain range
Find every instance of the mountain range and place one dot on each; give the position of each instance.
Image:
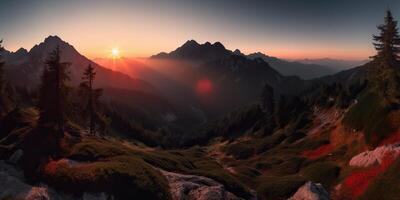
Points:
(337, 64)
(220, 124)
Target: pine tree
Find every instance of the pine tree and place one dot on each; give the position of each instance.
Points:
(53, 96)
(2, 83)
(267, 99)
(385, 75)
(91, 96)
(5, 89)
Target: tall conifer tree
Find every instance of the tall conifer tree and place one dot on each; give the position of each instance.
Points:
(53, 96)
(1, 70)
(385, 75)
(90, 96)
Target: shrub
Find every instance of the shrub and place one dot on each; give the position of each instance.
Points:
(322, 172)
(124, 177)
(279, 187)
(240, 150)
(370, 114)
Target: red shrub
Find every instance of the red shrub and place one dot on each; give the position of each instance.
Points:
(318, 152)
(358, 182)
(52, 166)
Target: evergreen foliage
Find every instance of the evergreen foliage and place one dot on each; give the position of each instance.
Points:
(53, 91)
(90, 97)
(385, 76)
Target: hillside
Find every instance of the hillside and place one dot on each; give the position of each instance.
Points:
(29, 64)
(303, 70)
(201, 122)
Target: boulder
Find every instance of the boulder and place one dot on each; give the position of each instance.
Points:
(16, 156)
(96, 196)
(15, 188)
(196, 187)
(311, 191)
(376, 156)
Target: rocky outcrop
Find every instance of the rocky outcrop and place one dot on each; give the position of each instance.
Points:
(196, 188)
(376, 156)
(12, 185)
(311, 191)
(16, 156)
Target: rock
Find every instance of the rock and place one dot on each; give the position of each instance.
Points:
(97, 196)
(15, 188)
(311, 191)
(376, 156)
(12, 186)
(16, 156)
(196, 188)
(10, 170)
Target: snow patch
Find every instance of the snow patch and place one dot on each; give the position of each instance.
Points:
(376, 156)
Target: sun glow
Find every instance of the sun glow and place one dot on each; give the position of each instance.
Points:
(115, 53)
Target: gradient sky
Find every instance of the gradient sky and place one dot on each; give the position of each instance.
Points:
(284, 28)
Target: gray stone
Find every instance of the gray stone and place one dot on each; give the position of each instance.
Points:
(16, 156)
(311, 191)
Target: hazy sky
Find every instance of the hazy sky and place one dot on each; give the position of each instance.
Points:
(283, 28)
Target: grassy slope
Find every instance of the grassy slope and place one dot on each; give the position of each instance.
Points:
(190, 161)
(370, 114)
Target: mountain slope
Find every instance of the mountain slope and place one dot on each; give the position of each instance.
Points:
(223, 80)
(334, 63)
(194, 51)
(30, 65)
(305, 71)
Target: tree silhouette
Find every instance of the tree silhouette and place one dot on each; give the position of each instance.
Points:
(386, 73)
(90, 96)
(267, 99)
(5, 89)
(2, 83)
(53, 94)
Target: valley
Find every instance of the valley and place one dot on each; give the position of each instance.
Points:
(200, 122)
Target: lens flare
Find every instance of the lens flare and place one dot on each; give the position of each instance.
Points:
(204, 86)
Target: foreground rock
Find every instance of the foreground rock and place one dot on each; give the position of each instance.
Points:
(12, 186)
(196, 188)
(376, 156)
(311, 191)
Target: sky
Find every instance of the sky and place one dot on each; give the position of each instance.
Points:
(292, 29)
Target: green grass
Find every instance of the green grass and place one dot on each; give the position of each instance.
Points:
(190, 161)
(122, 176)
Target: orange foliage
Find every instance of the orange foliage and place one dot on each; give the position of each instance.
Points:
(52, 166)
(318, 152)
(356, 184)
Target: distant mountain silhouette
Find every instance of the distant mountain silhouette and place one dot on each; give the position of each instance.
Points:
(334, 63)
(305, 71)
(194, 51)
(30, 65)
(236, 79)
(199, 53)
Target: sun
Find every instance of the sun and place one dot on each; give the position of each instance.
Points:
(115, 53)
